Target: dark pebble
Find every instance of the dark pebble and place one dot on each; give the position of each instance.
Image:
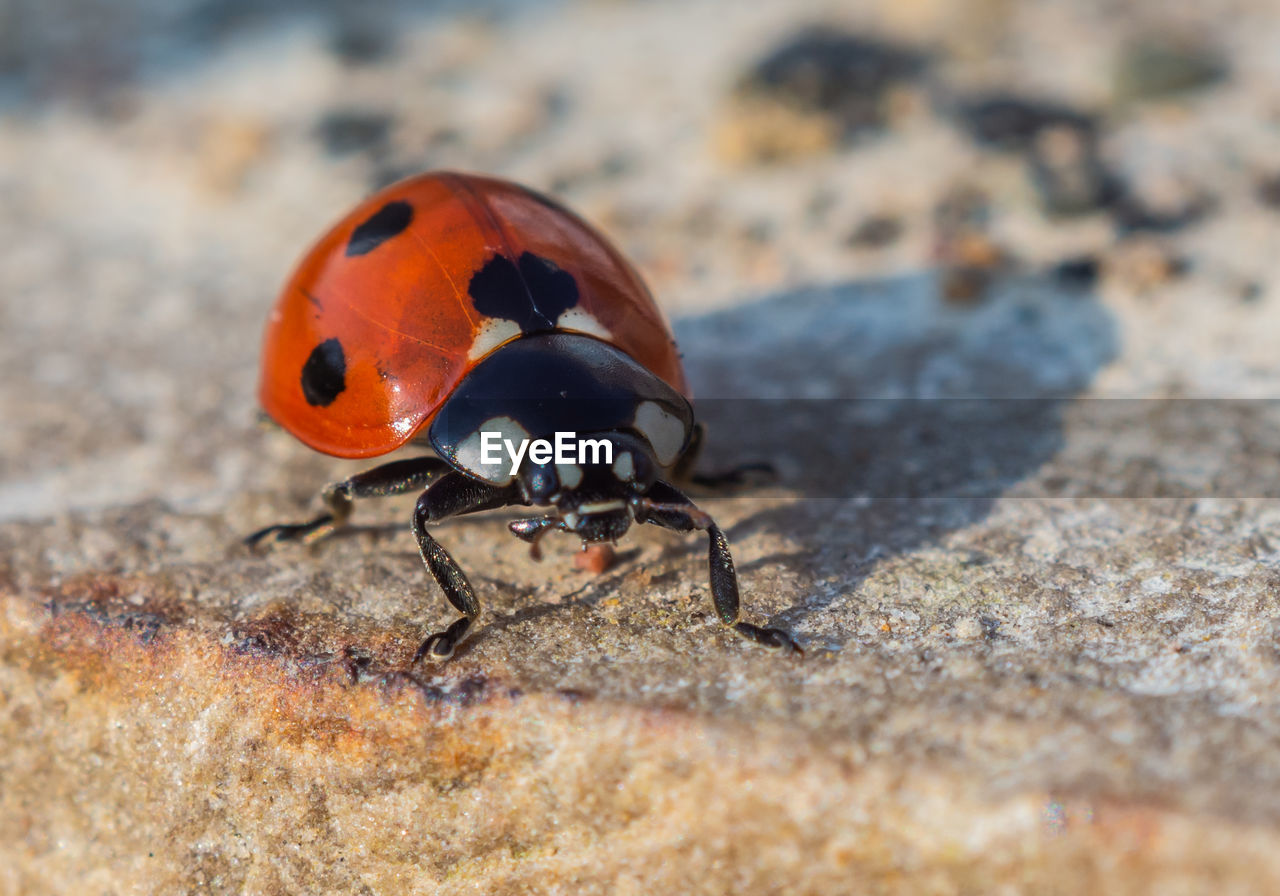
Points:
(1269, 191)
(361, 41)
(1012, 123)
(1068, 173)
(837, 73)
(876, 232)
(1132, 215)
(1080, 272)
(1154, 66)
(347, 131)
(962, 208)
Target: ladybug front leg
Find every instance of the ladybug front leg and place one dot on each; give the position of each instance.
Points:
(533, 529)
(452, 495)
(396, 478)
(666, 506)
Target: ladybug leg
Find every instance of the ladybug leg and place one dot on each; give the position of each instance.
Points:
(666, 506)
(395, 478)
(533, 529)
(452, 495)
(743, 475)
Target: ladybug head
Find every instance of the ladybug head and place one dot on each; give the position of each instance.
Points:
(593, 493)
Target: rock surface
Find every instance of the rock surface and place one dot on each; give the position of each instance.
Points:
(1029, 539)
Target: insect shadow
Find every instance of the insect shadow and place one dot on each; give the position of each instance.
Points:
(894, 416)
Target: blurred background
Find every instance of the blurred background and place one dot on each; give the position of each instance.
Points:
(916, 198)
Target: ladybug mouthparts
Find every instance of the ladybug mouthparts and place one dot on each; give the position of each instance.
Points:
(605, 521)
(595, 500)
(599, 521)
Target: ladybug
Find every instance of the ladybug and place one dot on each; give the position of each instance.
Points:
(466, 314)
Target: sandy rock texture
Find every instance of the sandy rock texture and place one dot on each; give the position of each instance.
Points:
(993, 285)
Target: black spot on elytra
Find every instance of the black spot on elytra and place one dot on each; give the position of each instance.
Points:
(498, 291)
(533, 294)
(554, 290)
(324, 375)
(381, 226)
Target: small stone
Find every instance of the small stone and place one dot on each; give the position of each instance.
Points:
(817, 88)
(348, 131)
(1145, 265)
(1080, 272)
(965, 286)
(760, 129)
(1009, 122)
(359, 39)
(1269, 191)
(876, 232)
(969, 258)
(961, 208)
(976, 250)
(1134, 214)
(828, 69)
(1158, 66)
(1068, 173)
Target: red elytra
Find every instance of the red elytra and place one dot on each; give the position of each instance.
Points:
(390, 285)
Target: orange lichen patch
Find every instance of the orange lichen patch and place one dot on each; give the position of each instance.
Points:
(135, 603)
(100, 626)
(286, 675)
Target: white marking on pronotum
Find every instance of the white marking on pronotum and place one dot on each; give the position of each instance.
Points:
(583, 322)
(570, 475)
(471, 452)
(664, 431)
(496, 330)
(601, 507)
(624, 467)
